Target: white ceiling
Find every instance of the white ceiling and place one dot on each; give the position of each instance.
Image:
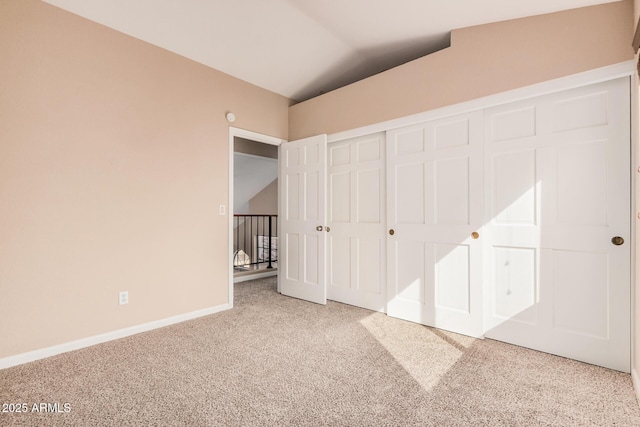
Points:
(301, 48)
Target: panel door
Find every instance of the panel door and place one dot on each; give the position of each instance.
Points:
(557, 191)
(302, 218)
(434, 207)
(356, 252)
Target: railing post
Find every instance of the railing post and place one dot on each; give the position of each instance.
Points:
(269, 244)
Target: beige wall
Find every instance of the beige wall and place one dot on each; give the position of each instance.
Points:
(113, 161)
(481, 61)
(266, 201)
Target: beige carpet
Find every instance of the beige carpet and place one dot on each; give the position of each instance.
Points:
(274, 360)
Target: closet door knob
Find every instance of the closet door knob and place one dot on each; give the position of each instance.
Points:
(319, 228)
(328, 229)
(617, 240)
(392, 232)
(475, 235)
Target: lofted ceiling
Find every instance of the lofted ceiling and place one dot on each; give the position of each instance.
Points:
(302, 48)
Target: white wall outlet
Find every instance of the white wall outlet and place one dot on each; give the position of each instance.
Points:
(222, 209)
(124, 297)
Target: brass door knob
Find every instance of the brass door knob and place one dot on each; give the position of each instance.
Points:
(391, 232)
(319, 228)
(617, 240)
(328, 229)
(475, 235)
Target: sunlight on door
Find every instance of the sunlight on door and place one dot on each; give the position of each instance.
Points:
(503, 222)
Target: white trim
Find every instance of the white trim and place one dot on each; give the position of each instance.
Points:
(635, 153)
(254, 136)
(248, 277)
(31, 356)
(635, 380)
(598, 75)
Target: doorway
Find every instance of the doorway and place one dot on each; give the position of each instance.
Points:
(253, 206)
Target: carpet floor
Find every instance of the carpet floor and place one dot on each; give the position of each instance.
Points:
(274, 360)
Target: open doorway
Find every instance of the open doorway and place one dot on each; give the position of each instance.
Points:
(253, 206)
(255, 209)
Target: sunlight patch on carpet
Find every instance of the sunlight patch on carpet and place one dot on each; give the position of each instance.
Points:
(425, 355)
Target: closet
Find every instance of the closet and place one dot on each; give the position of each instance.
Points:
(510, 222)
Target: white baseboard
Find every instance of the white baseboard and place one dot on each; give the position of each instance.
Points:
(254, 276)
(31, 356)
(635, 379)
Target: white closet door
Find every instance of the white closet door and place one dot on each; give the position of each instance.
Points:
(356, 244)
(434, 175)
(302, 219)
(557, 192)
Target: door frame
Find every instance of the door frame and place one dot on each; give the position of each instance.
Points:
(254, 136)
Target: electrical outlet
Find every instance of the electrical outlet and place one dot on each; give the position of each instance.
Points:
(124, 297)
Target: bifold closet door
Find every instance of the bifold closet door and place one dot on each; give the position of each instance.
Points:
(557, 240)
(356, 203)
(434, 212)
(302, 181)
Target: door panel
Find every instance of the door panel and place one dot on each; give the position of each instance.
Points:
(556, 193)
(369, 204)
(292, 257)
(452, 284)
(409, 205)
(515, 290)
(582, 183)
(433, 206)
(451, 134)
(292, 199)
(340, 262)
(514, 187)
(357, 261)
(371, 258)
(302, 206)
(409, 262)
(572, 271)
(340, 195)
(452, 191)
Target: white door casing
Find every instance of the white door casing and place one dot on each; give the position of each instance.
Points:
(557, 190)
(302, 219)
(356, 244)
(434, 205)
